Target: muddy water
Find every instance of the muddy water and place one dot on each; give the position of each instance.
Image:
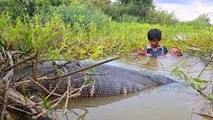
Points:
(170, 102)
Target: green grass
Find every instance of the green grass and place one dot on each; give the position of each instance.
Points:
(56, 39)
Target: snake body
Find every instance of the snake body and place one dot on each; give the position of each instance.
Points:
(106, 79)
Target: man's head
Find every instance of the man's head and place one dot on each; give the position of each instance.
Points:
(154, 36)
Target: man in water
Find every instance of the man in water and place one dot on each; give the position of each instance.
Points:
(155, 49)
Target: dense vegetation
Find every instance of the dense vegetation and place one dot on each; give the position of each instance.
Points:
(81, 29)
(71, 29)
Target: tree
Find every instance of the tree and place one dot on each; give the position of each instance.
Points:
(101, 4)
(137, 2)
(136, 8)
(161, 17)
(201, 20)
(124, 1)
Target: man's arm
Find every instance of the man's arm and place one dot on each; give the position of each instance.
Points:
(143, 52)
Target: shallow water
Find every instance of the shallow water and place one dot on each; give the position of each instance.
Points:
(170, 102)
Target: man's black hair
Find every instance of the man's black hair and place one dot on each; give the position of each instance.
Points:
(153, 34)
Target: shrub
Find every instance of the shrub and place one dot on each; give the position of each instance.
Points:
(80, 14)
(161, 17)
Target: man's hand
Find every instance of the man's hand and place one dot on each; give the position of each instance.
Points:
(143, 52)
(176, 52)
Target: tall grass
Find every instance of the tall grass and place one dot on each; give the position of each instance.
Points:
(57, 39)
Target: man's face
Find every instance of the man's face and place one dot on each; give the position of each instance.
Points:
(154, 43)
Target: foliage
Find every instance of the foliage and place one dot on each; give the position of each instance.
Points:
(57, 39)
(20, 8)
(201, 20)
(71, 29)
(140, 8)
(33, 35)
(161, 17)
(70, 10)
(80, 14)
(123, 11)
(132, 8)
(128, 18)
(197, 83)
(100, 4)
(115, 11)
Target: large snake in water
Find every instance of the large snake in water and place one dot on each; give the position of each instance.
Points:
(106, 79)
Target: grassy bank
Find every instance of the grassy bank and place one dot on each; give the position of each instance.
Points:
(57, 39)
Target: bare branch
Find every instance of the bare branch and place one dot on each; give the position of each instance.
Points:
(68, 74)
(7, 78)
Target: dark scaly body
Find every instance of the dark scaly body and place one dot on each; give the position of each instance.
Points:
(108, 80)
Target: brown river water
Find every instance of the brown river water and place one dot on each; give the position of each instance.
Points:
(176, 101)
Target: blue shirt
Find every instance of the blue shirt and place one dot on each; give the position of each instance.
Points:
(161, 50)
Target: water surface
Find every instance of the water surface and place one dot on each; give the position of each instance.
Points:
(170, 102)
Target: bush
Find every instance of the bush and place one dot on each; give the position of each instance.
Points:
(20, 8)
(80, 14)
(14, 8)
(138, 9)
(161, 17)
(202, 20)
(128, 18)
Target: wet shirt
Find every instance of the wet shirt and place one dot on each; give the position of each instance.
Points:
(162, 50)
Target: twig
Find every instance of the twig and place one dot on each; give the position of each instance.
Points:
(73, 95)
(57, 68)
(51, 106)
(68, 92)
(89, 67)
(45, 88)
(54, 89)
(13, 66)
(59, 100)
(15, 108)
(203, 114)
(11, 97)
(7, 77)
(205, 66)
(67, 96)
(71, 73)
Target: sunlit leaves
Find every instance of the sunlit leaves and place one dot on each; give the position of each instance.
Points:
(180, 74)
(199, 84)
(45, 102)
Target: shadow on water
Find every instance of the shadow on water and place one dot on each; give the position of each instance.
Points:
(170, 102)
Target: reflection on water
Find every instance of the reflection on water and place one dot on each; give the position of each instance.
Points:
(170, 102)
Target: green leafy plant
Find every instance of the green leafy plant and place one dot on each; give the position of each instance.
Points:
(196, 82)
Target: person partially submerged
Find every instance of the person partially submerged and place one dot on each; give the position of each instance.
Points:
(155, 49)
